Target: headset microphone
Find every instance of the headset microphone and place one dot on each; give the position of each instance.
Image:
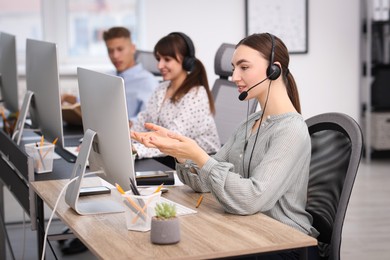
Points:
(244, 94)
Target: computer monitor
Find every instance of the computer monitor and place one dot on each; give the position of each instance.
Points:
(42, 79)
(43, 98)
(8, 72)
(106, 138)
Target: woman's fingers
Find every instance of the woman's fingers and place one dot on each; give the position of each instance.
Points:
(177, 137)
(153, 127)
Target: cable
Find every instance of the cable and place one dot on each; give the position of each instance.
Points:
(245, 138)
(258, 129)
(24, 234)
(54, 210)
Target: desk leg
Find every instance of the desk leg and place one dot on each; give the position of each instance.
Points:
(40, 225)
(303, 254)
(2, 231)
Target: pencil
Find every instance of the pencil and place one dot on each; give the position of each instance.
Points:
(159, 188)
(54, 143)
(121, 191)
(199, 201)
(42, 140)
(119, 188)
(5, 122)
(12, 128)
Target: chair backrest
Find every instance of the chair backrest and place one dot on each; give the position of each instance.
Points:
(229, 110)
(148, 61)
(337, 145)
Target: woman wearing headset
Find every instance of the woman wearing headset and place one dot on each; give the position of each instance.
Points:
(264, 166)
(183, 102)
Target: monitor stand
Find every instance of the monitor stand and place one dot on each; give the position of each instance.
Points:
(1, 89)
(18, 131)
(87, 207)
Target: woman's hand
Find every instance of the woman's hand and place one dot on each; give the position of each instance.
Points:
(144, 137)
(172, 144)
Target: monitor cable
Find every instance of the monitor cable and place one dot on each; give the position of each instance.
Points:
(54, 210)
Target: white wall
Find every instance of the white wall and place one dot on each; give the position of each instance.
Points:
(327, 76)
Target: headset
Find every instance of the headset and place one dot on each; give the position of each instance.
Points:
(188, 61)
(273, 70)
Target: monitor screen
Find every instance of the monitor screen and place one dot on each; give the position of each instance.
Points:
(103, 105)
(8, 72)
(42, 79)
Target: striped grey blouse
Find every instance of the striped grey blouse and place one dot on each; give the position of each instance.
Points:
(279, 170)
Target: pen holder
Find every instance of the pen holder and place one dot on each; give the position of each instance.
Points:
(42, 155)
(140, 210)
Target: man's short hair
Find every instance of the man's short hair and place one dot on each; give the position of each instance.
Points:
(116, 32)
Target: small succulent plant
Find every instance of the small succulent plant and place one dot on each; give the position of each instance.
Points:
(165, 210)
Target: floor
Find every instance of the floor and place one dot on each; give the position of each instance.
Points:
(366, 233)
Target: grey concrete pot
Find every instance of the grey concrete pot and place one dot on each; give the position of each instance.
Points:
(165, 231)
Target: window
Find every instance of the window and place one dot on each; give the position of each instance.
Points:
(23, 19)
(75, 26)
(89, 18)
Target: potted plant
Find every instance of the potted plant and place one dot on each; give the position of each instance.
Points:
(165, 227)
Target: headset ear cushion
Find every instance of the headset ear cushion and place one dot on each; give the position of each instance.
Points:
(273, 71)
(188, 63)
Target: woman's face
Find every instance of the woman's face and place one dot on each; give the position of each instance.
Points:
(169, 67)
(249, 68)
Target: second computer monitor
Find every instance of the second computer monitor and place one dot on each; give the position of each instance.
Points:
(8, 72)
(43, 80)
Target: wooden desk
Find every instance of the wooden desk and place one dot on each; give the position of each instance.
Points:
(211, 233)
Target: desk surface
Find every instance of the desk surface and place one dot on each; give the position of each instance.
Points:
(211, 233)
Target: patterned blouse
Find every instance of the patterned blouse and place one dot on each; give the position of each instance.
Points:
(190, 116)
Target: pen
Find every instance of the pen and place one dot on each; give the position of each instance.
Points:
(199, 201)
(134, 187)
(135, 191)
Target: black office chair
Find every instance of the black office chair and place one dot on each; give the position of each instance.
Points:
(337, 145)
(229, 110)
(148, 61)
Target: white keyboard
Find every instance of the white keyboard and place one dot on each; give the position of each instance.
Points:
(180, 209)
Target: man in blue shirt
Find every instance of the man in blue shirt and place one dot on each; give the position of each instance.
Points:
(139, 83)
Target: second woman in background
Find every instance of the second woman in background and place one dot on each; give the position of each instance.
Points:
(183, 102)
